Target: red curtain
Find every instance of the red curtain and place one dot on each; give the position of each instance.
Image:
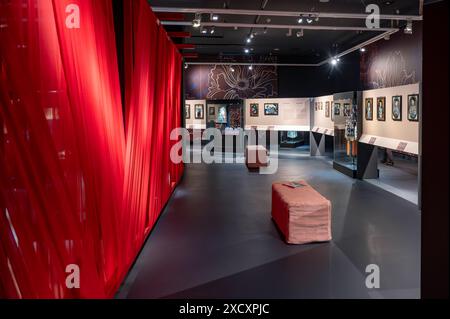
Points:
(78, 186)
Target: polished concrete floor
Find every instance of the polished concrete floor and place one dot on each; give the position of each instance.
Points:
(216, 239)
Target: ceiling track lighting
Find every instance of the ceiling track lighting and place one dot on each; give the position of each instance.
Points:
(409, 28)
(300, 33)
(212, 30)
(363, 49)
(246, 50)
(197, 22)
(214, 17)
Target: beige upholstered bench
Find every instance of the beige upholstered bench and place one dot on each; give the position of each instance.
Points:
(256, 156)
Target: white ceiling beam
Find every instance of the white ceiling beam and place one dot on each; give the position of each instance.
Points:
(334, 15)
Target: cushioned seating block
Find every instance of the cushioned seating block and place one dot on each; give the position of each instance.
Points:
(256, 156)
(302, 214)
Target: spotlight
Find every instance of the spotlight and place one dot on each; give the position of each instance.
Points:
(309, 20)
(250, 67)
(197, 22)
(252, 36)
(300, 20)
(246, 50)
(409, 27)
(300, 33)
(204, 31)
(214, 17)
(212, 30)
(231, 69)
(249, 40)
(334, 61)
(186, 65)
(363, 49)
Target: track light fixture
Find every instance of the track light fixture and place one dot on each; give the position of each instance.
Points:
(300, 20)
(246, 50)
(363, 49)
(300, 33)
(249, 40)
(212, 30)
(409, 28)
(250, 67)
(214, 17)
(197, 22)
(231, 69)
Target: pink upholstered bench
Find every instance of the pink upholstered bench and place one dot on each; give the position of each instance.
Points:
(256, 156)
(301, 214)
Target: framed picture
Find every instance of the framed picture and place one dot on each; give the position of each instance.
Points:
(369, 109)
(337, 109)
(212, 110)
(254, 109)
(327, 109)
(381, 109)
(315, 106)
(199, 111)
(397, 108)
(347, 109)
(187, 111)
(321, 106)
(271, 109)
(413, 107)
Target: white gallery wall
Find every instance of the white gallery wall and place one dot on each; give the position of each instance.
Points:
(322, 118)
(294, 115)
(397, 135)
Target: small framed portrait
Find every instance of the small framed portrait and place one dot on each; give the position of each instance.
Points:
(254, 109)
(369, 109)
(327, 109)
(199, 111)
(187, 111)
(212, 111)
(271, 109)
(381, 109)
(347, 109)
(397, 108)
(413, 107)
(337, 109)
(316, 108)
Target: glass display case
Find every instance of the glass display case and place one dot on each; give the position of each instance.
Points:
(347, 109)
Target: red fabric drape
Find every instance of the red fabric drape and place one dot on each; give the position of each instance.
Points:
(77, 187)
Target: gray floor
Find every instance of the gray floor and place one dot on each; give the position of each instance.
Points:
(216, 239)
(400, 179)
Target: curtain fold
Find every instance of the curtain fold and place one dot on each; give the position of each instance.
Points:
(78, 186)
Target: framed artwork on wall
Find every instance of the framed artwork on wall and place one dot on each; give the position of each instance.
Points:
(187, 111)
(315, 106)
(397, 108)
(222, 117)
(381, 109)
(337, 109)
(254, 109)
(271, 109)
(212, 111)
(347, 109)
(413, 107)
(369, 109)
(199, 111)
(327, 109)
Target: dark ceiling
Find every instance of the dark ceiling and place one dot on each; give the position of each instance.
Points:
(313, 47)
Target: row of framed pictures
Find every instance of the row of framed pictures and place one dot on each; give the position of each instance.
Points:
(319, 106)
(397, 107)
(270, 109)
(199, 111)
